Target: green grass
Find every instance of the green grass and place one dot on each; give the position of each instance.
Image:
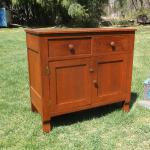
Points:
(106, 128)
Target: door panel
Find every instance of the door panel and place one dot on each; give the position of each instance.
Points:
(110, 78)
(70, 84)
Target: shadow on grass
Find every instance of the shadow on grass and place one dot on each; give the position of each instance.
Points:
(134, 97)
(89, 114)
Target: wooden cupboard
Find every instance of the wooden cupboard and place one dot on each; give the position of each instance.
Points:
(76, 69)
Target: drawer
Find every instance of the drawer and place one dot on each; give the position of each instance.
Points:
(69, 47)
(110, 43)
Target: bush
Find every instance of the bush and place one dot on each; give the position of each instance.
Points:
(85, 13)
(143, 12)
(122, 22)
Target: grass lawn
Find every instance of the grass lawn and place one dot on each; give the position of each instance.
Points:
(106, 128)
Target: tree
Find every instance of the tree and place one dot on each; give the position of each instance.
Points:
(84, 12)
(5, 3)
(72, 12)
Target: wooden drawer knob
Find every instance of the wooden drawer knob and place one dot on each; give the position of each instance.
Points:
(95, 83)
(112, 44)
(91, 70)
(71, 48)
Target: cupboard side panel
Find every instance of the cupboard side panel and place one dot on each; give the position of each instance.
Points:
(33, 42)
(130, 66)
(35, 79)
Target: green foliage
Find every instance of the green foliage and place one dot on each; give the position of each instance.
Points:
(143, 12)
(77, 11)
(74, 12)
(27, 12)
(87, 12)
(122, 7)
(132, 8)
(6, 3)
(66, 3)
(122, 22)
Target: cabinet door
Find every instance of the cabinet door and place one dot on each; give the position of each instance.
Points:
(109, 80)
(70, 84)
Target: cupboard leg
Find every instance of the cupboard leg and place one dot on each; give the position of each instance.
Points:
(33, 108)
(126, 107)
(46, 126)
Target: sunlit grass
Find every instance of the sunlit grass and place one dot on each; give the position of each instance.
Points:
(105, 128)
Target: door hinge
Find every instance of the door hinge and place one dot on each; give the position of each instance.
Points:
(47, 70)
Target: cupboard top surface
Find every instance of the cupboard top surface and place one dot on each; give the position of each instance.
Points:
(45, 31)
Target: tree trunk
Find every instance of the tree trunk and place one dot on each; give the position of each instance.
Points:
(148, 2)
(141, 2)
(134, 4)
